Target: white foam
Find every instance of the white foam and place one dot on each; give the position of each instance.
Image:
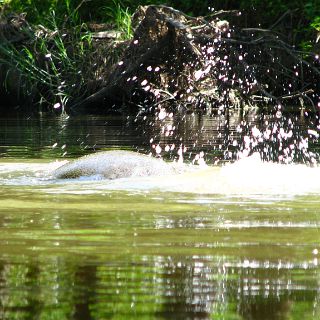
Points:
(26, 173)
(249, 176)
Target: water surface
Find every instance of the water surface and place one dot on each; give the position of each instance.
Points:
(234, 242)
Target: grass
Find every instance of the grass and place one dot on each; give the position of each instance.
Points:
(54, 67)
(50, 66)
(121, 18)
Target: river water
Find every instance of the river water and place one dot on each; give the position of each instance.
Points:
(233, 241)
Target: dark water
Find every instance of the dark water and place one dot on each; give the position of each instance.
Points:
(59, 137)
(65, 137)
(234, 248)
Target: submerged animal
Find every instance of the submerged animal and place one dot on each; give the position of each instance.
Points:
(116, 164)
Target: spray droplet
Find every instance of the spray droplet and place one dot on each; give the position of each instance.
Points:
(198, 74)
(313, 133)
(162, 114)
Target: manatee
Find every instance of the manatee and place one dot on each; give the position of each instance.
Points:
(115, 165)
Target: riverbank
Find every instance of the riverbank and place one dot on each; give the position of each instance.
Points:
(157, 60)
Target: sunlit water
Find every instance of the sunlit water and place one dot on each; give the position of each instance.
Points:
(232, 241)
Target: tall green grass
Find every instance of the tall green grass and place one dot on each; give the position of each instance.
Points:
(121, 18)
(55, 66)
(52, 66)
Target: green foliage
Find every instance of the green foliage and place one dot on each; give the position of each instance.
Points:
(120, 17)
(51, 69)
(118, 11)
(306, 46)
(311, 9)
(36, 9)
(316, 23)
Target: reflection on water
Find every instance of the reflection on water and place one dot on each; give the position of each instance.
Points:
(122, 255)
(221, 137)
(249, 249)
(66, 137)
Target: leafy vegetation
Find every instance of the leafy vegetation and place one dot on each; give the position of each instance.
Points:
(266, 11)
(54, 66)
(121, 18)
(50, 65)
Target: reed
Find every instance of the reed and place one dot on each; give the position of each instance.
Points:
(121, 18)
(51, 66)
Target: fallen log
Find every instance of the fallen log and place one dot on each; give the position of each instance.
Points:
(176, 60)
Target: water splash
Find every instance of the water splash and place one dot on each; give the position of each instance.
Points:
(235, 69)
(246, 177)
(278, 137)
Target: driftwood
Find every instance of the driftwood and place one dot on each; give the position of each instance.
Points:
(160, 62)
(182, 62)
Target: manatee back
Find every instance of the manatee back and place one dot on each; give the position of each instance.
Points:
(114, 165)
